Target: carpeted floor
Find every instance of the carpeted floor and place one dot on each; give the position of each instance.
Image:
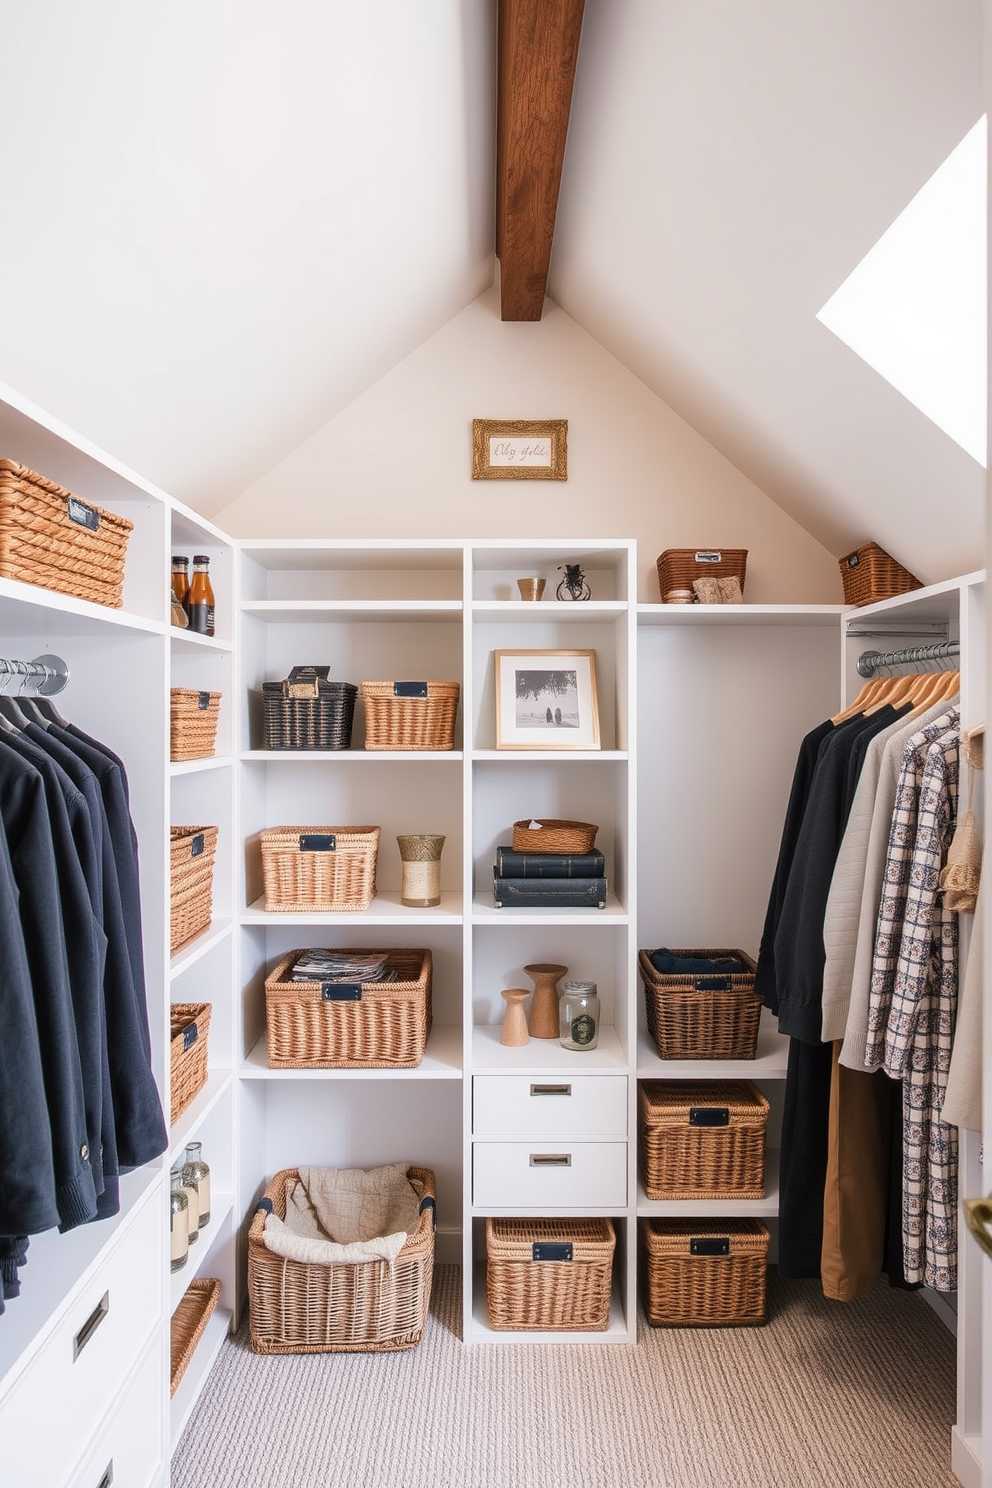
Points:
(827, 1395)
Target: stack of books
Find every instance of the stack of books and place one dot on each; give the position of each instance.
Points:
(549, 880)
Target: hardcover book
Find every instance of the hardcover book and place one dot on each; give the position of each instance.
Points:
(549, 893)
(513, 864)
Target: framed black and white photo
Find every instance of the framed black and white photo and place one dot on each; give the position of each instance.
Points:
(546, 700)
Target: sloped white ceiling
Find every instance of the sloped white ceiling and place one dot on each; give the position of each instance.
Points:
(226, 219)
(727, 167)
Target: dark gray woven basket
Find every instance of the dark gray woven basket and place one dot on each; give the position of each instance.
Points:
(321, 722)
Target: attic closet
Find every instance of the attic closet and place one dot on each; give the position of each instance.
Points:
(701, 712)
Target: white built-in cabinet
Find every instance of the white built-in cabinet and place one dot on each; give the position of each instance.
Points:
(701, 710)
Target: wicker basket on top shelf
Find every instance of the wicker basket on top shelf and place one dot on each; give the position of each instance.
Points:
(870, 574)
(679, 568)
(51, 537)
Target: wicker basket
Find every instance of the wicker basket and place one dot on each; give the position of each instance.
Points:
(367, 1308)
(702, 1017)
(51, 537)
(358, 1025)
(306, 711)
(191, 877)
(702, 1140)
(410, 715)
(869, 574)
(189, 1030)
(192, 723)
(328, 869)
(526, 1292)
(550, 836)
(188, 1322)
(704, 1273)
(678, 568)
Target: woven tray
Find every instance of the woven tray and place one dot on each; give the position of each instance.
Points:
(314, 1025)
(365, 1308)
(189, 1028)
(706, 1017)
(410, 715)
(870, 574)
(319, 868)
(192, 853)
(193, 720)
(678, 568)
(188, 1322)
(296, 715)
(686, 1287)
(553, 836)
(570, 1295)
(51, 537)
(702, 1140)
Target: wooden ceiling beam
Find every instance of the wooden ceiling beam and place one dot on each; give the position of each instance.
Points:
(538, 44)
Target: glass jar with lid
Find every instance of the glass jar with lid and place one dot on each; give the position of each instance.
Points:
(578, 1015)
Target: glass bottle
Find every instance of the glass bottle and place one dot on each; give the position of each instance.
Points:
(192, 1191)
(200, 604)
(180, 578)
(196, 1171)
(178, 1222)
(578, 1019)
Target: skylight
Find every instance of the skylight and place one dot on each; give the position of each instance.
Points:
(914, 308)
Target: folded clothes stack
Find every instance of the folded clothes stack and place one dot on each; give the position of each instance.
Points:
(671, 963)
(317, 965)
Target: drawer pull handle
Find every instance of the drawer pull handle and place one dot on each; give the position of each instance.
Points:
(551, 1159)
(90, 1326)
(108, 1475)
(551, 1090)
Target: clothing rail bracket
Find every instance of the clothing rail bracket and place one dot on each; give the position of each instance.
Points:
(46, 675)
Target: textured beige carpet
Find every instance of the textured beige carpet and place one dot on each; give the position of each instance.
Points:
(827, 1395)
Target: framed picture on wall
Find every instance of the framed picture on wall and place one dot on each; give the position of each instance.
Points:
(519, 449)
(546, 700)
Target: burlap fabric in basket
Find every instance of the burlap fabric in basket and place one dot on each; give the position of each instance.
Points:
(193, 718)
(704, 1273)
(526, 1292)
(368, 1308)
(410, 715)
(51, 537)
(192, 851)
(364, 1025)
(319, 868)
(188, 1323)
(702, 1139)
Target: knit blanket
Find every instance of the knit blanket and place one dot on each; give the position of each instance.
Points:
(345, 1215)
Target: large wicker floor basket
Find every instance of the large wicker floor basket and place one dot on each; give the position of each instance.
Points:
(705, 1016)
(51, 537)
(549, 1274)
(364, 1308)
(319, 868)
(704, 1273)
(355, 1025)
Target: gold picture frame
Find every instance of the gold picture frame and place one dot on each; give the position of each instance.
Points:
(546, 700)
(520, 449)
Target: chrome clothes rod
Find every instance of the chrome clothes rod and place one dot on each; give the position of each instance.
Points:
(46, 675)
(870, 662)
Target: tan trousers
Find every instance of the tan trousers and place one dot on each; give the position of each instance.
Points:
(855, 1195)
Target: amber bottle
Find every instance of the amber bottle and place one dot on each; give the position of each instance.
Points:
(200, 604)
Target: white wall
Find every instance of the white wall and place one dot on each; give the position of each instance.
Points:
(397, 462)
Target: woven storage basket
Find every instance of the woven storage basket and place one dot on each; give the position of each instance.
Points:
(313, 1309)
(525, 1292)
(188, 1322)
(702, 1140)
(678, 568)
(191, 879)
(319, 868)
(869, 574)
(410, 715)
(704, 1273)
(189, 1029)
(307, 712)
(355, 1025)
(553, 836)
(702, 1017)
(51, 537)
(192, 723)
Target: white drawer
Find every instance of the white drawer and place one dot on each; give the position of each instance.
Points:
(81, 1369)
(548, 1175)
(129, 1450)
(522, 1106)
